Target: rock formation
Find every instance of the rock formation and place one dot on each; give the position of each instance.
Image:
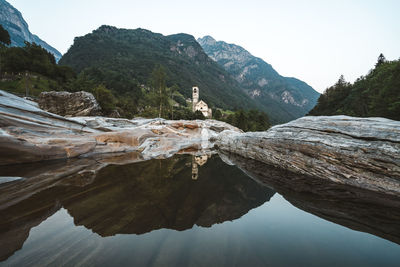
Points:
(29, 134)
(11, 19)
(69, 104)
(360, 152)
(340, 168)
(284, 98)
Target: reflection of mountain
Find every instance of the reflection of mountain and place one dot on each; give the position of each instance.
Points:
(354, 208)
(138, 198)
(16, 223)
(142, 197)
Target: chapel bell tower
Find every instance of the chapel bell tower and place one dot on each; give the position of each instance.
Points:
(195, 98)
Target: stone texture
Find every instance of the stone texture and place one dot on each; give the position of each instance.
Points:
(361, 152)
(284, 98)
(29, 134)
(69, 104)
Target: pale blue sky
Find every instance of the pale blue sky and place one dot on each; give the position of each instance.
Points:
(312, 40)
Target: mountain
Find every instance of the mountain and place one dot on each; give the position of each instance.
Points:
(121, 58)
(375, 95)
(284, 98)
(14, 23)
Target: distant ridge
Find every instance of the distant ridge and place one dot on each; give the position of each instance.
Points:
(120, 58)
(284, 98)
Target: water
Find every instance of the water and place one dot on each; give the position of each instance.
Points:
(190, 211)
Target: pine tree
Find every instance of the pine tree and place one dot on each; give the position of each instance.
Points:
(158, 82)
(4, 36)
(381, 60)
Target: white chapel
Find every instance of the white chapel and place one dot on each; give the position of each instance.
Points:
(201, 106)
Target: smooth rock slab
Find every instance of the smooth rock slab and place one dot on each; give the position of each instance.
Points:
(362, 152)
(29, 134)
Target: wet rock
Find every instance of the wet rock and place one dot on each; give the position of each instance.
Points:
(361, 152)
(69, 104)
(30, 134)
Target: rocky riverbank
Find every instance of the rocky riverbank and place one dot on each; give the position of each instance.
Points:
(30, 134)
(360, 152)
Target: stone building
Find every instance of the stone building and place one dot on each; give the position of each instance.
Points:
(200, 105)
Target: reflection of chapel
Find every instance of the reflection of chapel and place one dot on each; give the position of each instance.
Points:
(201, 106)
(198, 161)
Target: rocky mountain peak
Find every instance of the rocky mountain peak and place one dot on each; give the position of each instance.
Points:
(206, 40)
(219, 50)
(12, 20)
(285, 98)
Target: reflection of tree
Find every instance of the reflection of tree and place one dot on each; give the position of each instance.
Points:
(136, 198)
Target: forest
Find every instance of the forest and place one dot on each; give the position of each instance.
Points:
(30, 70)
(375, 95)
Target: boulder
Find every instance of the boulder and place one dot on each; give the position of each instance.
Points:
(69, 104)
(30, 134)
(361, 152)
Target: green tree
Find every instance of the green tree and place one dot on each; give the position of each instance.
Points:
(381, 60)
(241, 120)
(4, 40)
(105, 98)
(4, 36)
(198, 115)
(158, 82)
(377, 94)
(172, 90)
(217, 114)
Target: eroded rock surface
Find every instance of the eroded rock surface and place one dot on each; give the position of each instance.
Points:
(69, 104)
(361, 152)
(30, 134)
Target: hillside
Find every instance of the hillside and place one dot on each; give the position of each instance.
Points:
(283, 98)
(122, 59)
(375, 95)
(18, 28)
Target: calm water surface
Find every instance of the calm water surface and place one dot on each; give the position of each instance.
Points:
(188, 211)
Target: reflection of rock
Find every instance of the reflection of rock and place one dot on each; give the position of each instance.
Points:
(358, 209)
(29, 134)
(72, 104)
(362, 152)
(136, 198)
(158, 194)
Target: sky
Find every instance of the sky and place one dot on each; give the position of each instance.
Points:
(313, 40)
